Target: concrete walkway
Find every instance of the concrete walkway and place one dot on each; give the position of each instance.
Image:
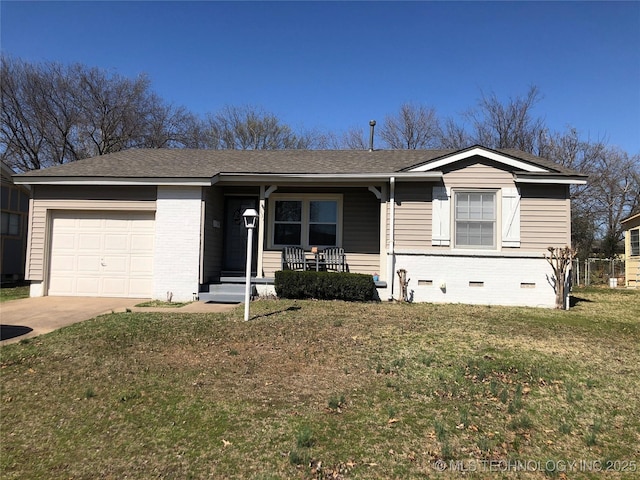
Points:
(30, 317)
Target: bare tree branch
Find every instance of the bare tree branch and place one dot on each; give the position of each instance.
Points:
(413, 127)
(507, 125)
(252, 128)
(53, 114)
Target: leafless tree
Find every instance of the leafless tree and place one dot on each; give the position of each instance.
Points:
(613, 194)
(413, 127)
(252, 128)
(612, 191)
(356, 139)
(507, 125)
(454, 136)
(172, 127)
(38, 118)
(114, 110)
(327, 140)
(53, 114)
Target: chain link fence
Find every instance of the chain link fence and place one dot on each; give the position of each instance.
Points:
(598, 271)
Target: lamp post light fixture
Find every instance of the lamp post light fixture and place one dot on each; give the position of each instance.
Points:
(250, 221)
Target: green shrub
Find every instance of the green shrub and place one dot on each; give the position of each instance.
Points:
(325, 285)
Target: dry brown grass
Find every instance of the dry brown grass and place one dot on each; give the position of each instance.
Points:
(368, 390)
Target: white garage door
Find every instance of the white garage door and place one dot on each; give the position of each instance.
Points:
(102, 254)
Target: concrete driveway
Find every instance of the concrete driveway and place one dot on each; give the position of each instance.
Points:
(30, 317)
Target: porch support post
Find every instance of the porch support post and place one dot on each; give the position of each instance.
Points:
(261, 207)
(382, 268)
(392, 256)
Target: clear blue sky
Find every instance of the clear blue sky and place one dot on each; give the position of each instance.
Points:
(334, 65)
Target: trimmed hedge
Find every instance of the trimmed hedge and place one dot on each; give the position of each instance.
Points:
(351, 287)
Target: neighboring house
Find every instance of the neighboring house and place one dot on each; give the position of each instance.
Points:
(631, 226)
(14, 204)
(468, 226)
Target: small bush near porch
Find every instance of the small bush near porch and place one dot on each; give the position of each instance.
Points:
(313, 389)
(352, 287)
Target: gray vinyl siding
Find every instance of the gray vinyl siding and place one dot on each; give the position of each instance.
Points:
(413, 211)
(412, 216)
(477, 173)
(360, 229)
(368, 263)
(360, 222)
(360, 216)
(95, 192)
(47, 198)
(271, 262)
(545, 217)
(34, 268)
(213, 233)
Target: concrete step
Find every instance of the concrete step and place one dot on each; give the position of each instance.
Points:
(242, 279)
(226, 293)
(226, 288)
(221, 297)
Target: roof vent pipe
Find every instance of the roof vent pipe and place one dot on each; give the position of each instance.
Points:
(372, 124)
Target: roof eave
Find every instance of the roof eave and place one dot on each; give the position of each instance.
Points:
(501, 157)
(558, 179)
(630, 218)
(293, 178)
(132, 181)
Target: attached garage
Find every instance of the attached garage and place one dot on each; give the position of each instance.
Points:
(101, 254)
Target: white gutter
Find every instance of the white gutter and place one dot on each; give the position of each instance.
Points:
(261, 178)
(391, 258)
(556, 180)
(282, 178)
(186, 182)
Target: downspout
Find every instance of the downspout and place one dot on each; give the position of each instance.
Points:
(391, 258)
(261, 206)
(203, 216)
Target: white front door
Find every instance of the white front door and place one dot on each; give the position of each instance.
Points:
(102, 254)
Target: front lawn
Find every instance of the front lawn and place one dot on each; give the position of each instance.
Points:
(311, 389)
(13, 293)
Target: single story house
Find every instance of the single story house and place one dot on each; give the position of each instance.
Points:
(14, 204)
(468, 226)
(631, 226)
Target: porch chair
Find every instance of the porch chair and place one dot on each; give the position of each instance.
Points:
(293, 258)
(333, 259)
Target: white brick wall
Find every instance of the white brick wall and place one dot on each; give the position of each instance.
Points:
(177, 243)
(36, 289)
(505, 280)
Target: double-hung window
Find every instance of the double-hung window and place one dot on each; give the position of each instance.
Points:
(287, 224)
(10, 224)
(306, 221)
(635, 242)
(475, 219)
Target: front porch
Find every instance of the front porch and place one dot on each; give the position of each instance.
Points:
(231, 288)
(289, 215)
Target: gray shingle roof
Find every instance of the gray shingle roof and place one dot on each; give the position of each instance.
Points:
(191, 163)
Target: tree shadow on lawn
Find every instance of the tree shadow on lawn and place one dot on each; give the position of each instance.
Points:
(573, 300)
(8, 332)
(292, 308)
